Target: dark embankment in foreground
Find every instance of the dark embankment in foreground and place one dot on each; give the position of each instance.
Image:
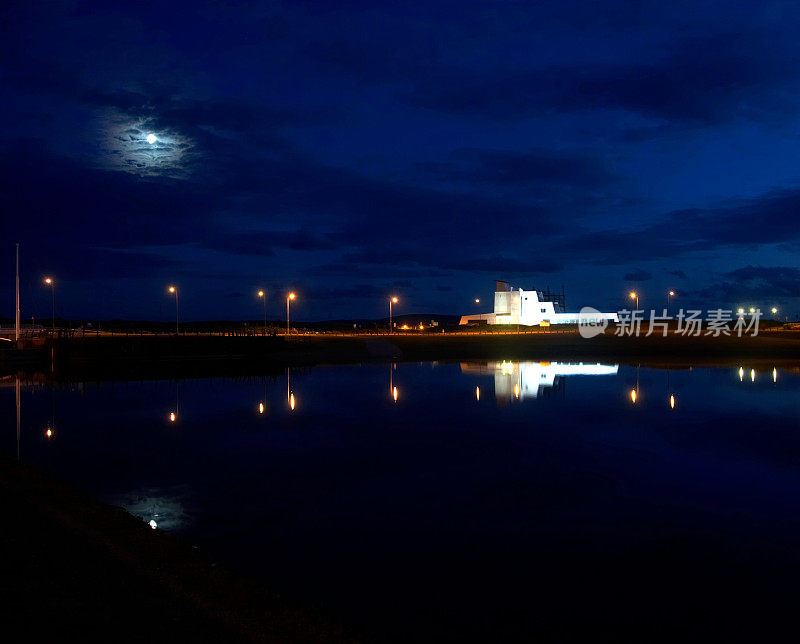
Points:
(170, 356)
(78, 570)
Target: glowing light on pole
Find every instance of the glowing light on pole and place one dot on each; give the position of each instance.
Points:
(391, 300)
(635, 296)
(174, 291)
(49, 281)
(670, 295)
(263, 296)
(289, 298)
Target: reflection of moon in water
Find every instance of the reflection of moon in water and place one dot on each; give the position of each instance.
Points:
(151, 138)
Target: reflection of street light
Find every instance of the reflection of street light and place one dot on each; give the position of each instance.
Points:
(672, 402)
(49, 281)
(635, 296)
(174, 289)
(633, 396)
(289, 298)
(391, 300)
(263, 296)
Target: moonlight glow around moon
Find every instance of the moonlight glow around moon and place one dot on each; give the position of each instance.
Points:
(133, 146)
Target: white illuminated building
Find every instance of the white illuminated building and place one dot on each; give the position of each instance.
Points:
(531, 308)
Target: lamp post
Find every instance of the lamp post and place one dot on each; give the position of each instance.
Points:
(174, 291)
(49, 281)
(289, 298)
(635, 296)
(670, 295)
(391, 300)
(263, 296)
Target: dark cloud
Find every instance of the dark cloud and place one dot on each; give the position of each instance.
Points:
(535, 167)
(757, 283)
(704, 80)
(771, 218)
(638, 276)
(677, 273)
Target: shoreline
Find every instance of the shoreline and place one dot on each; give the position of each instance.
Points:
(142, 357)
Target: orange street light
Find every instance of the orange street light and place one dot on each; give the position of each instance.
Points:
(392, 299)
(289, 298)
(263, 296)
(49, 281)
(670, 295)
(635, 296)
(174, 291)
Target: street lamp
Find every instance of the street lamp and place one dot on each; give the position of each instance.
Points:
(49, 281)
(263, 296)
(391, 301)
(289, 298)
(670, 295)
(174, 290)
(774, 310)
(635, 296)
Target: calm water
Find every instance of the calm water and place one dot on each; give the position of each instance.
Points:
(451, 501)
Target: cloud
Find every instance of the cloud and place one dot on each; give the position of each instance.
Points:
(638, 276)
(757, 283)
(539, 168)
(677, 273)
(702, 81)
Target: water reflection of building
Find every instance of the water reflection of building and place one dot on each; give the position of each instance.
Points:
(520, 380)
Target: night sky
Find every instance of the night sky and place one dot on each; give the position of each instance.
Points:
(351, 151)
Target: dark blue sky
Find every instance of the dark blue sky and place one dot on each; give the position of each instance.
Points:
(351, 150)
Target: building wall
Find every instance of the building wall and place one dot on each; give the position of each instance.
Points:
(525, 308)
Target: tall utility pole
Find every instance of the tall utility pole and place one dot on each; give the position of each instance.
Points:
(391, 300)
(16, 317)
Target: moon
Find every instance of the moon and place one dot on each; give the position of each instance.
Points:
(151, 138)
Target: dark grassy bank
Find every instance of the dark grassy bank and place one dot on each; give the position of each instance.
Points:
(140, 356)
(77, 570)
